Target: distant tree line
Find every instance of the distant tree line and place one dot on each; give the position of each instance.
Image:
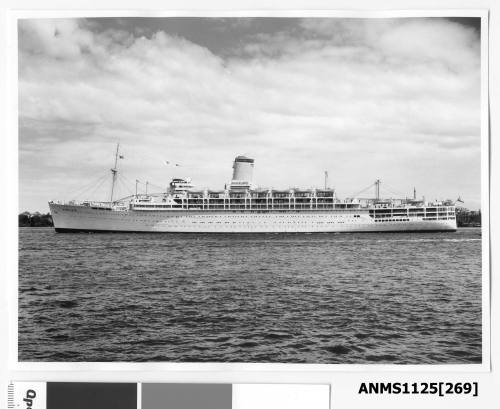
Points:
(27, 219)
(468, 218)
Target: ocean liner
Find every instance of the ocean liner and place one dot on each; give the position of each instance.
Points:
(242, 207)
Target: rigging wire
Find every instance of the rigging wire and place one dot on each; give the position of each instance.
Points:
(83, 188)
(127, 180)
(156, 186)
(133, 184)
(362, 191)
(129, 184)
(124, 186)
(394, 191)
(89, 186)
(96, 188)
(162, 188)
(383, 186)
(92, 179)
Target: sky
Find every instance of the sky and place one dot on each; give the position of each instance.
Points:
(395, 99)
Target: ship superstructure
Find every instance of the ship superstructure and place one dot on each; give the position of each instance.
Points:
(242, 207)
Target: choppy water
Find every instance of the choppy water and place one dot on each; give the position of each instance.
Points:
(302, 298)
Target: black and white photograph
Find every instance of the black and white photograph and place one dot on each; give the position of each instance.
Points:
(299, 190)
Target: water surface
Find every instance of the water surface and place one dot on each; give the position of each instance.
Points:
(405, 298)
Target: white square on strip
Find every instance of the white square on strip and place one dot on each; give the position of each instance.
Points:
(281, 396)
(29, 395)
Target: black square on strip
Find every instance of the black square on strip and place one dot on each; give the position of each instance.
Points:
(79, 395)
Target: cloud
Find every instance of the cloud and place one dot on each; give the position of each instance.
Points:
(362, 97)
(60, 38)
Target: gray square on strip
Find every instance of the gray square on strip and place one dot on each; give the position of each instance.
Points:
(186, 396)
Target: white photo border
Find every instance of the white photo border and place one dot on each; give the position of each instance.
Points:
(156, 370)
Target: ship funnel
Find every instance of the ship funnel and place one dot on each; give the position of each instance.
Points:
(242, 173)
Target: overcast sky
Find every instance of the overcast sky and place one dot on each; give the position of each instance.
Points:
(395, 99)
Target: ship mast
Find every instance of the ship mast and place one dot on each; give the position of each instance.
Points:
(114, 171)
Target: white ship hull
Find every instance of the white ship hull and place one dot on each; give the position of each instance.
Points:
(68, 218)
